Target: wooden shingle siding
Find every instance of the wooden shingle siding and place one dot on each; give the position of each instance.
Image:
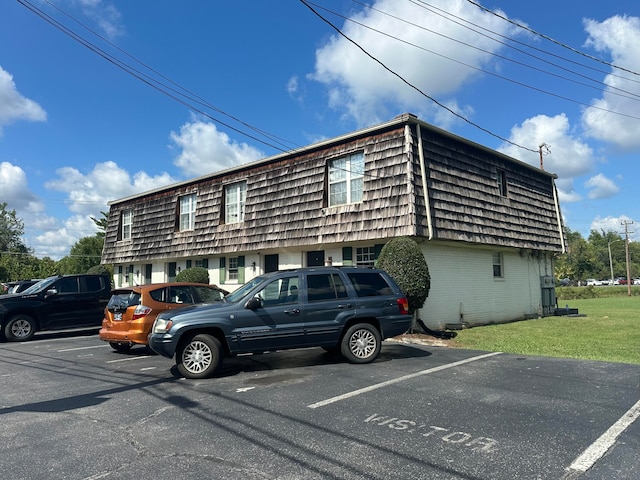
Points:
(467, 205)
(287, 200)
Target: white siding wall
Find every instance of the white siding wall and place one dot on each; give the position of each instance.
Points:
(463, 288)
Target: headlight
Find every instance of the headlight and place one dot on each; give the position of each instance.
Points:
(161, 325)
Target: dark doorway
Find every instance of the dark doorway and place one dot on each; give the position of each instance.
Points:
(315, 259)
(271, 263)
(147, 273)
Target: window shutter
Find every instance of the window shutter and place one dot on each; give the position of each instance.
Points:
(188, 263)
(241, 269)
(377, 249)
(223, 270)
(347, 256)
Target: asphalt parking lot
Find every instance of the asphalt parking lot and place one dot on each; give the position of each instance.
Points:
(72, 408)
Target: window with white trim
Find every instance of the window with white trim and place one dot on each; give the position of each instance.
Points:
(346, 179)
(127, 222)
(498, 265)
(232, 270)
(365, 256)
(235, 196)
(187, 212)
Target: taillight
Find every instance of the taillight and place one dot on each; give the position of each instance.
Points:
(141, 311)
(403, 304)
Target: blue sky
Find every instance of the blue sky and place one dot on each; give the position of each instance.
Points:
(210, 85)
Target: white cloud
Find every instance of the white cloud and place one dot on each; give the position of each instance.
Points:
(105, 15)
(612, 224)
(601, 187)
(619, 36)
(88, 194)
(366, 92)
(569, 157)
(206, 150)
(13, 185)
(14, 106)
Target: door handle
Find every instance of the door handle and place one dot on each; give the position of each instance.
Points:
(344, 305)
(295, 311)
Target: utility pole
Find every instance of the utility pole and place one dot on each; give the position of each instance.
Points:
(626, 224)
(547, 151)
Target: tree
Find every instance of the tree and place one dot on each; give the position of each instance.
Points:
(101, 224)
(402, 258)
(11, 230)
(84, 254)
(194, 274)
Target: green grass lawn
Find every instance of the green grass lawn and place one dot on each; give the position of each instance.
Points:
(609, 332)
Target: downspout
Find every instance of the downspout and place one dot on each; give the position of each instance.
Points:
(424, 183)
(558, 217)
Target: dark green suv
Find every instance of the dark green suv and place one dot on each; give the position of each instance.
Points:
(55, 303)
(345, 309)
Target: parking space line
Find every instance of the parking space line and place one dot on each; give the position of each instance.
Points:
(128, 359)
(399, 379)
(82, 348)
(598, 448)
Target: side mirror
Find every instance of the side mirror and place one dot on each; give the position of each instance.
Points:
(253, 303)
(50, 292)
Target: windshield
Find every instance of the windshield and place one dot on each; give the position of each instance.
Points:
(243, 290)
(41, 286)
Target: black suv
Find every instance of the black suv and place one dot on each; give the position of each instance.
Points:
(55, 303)
(344, 309)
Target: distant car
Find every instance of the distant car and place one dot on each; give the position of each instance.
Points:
(131, 311)
(593, 282)
(636, 281)
(19, 286)
(55, 303)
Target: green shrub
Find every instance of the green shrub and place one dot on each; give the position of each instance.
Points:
(402, 258)
(195, 274)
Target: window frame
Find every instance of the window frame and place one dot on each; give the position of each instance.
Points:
(126, 221)
(235, 196)
(370, 254)
(497, 260)
(187, 212)
(347, 175)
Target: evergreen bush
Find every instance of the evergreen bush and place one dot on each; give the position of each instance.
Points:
(194, 274)
(402, 258)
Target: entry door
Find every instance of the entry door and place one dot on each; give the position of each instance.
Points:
(315, 259)
(271, 263)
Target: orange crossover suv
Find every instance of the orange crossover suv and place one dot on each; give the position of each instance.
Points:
(131, 311)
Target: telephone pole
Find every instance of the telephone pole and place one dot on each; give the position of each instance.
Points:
(626, 224)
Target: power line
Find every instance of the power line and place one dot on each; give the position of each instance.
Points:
(184, 97)
(546, 37)
(441, 105)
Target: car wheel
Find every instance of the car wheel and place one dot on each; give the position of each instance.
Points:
(199, 357)
(120, 347)
(361, 343)
(20, 328)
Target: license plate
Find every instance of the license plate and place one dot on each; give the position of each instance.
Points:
(117, 316)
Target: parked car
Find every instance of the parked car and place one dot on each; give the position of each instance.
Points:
(55, 303)
(19, 286)
(594, 282)
(131, 311)
(345, 309)
(636, 281)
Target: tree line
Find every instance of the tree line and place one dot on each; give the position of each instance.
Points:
(18, 262)
(596, 257)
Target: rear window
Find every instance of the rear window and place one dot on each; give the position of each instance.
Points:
(208, 294)
(123, 300)
(369, 284)
(325, 287)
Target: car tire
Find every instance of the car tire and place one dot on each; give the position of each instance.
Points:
(361, 343)
(199, 356)
(20, 328)
(120, 347)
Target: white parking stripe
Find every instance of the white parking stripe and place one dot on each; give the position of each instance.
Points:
(128, 359)
(399, 379)
(598, 448)
(81, 348)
